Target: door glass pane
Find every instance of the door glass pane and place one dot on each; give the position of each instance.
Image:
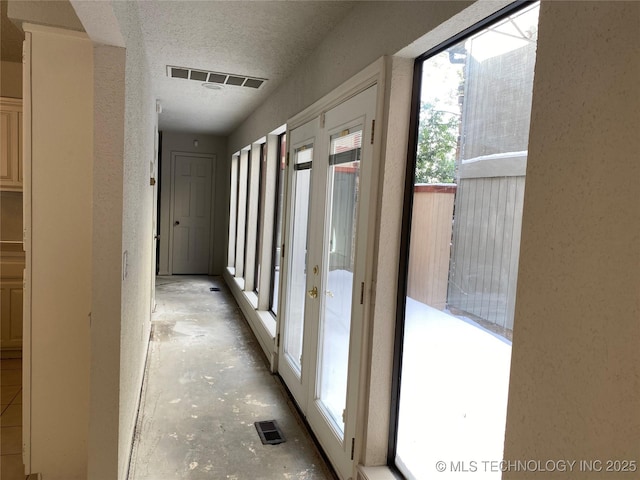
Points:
(339, 258)
(294, 327)
(464, 248)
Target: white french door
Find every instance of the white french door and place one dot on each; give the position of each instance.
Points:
(329, 178)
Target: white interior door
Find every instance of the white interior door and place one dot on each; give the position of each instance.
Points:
(190, 213)
(328, 207)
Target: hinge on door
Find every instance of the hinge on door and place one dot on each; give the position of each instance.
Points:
(373, 130)
(362, 293)
(287, 159)
(278, 341)
(282, 251)
(353, 447)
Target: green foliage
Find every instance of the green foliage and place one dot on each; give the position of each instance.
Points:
(437, 140)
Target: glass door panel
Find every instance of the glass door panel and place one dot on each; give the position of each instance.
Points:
(301, 192)
(339, 257)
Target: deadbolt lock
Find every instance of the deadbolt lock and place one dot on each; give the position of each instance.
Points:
(315, 269)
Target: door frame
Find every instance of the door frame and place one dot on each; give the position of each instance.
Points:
(212, 157)
(372, 75)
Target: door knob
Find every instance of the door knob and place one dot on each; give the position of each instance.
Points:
(176, 222)
(313, 293)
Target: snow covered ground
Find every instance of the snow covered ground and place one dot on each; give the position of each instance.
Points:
(453, 402)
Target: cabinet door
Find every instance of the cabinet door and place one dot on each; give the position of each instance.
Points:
(11, 314)
(10, 151)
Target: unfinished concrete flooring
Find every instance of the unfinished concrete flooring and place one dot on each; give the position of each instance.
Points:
(206, 384)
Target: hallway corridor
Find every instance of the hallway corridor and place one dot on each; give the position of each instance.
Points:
(205, 385)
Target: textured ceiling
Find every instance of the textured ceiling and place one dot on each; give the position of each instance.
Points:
(264, 39)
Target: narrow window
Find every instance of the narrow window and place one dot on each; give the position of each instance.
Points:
(458, 286)
(233, 212)
(246, 215)
(261, 180)
(277, 231)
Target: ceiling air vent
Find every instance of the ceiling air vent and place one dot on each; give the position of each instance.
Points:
(215, 77)
(198, 75)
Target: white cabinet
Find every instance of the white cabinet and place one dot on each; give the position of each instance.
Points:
(11, 144)
(11, 294)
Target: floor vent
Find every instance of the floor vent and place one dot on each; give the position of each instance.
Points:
(269, 432)
(215, 289)
(215, 77)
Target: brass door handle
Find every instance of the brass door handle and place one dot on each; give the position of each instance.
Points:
(313, 293)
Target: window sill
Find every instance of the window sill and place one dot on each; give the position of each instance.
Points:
(252, 298)
(376, 473)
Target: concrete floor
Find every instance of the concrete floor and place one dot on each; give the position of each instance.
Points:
(205, 386)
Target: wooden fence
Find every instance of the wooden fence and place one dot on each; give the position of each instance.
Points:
(468, 262)
(431, 244)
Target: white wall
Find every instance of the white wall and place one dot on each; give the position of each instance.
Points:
(575, 375)
(369, 31)
(61, 202)
(207, 144)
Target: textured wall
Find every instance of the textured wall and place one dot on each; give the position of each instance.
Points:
(109, 110)
(137, 234)
(207, 144)
(575, 376)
